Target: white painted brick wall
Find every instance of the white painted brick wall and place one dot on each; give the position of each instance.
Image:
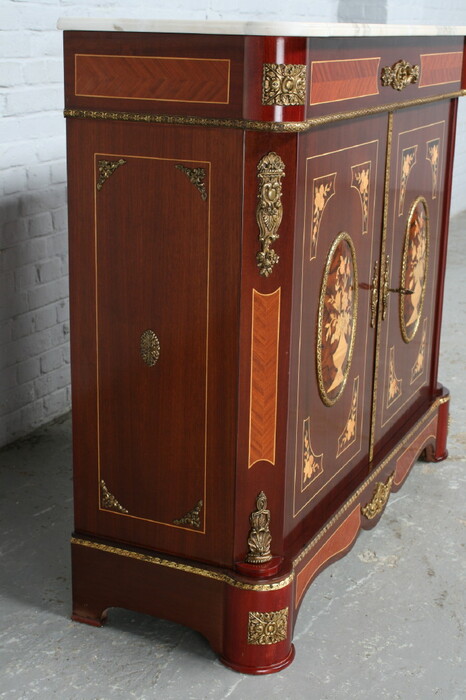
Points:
(34, 349)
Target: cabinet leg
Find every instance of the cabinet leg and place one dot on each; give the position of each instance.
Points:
(258, 628)
(439, 452)
(90, 618)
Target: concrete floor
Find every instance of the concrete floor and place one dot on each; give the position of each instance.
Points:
(387, 621)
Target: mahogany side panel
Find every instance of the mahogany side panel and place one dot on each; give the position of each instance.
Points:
(149, 440)
(334, 80)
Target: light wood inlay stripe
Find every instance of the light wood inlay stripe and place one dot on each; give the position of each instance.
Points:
(333, 81)
(440, 68)
(265, 334)
(153, 78)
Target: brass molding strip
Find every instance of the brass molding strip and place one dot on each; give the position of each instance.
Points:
(378, 319)
(206, 573)
(278, 127)
(372, 476)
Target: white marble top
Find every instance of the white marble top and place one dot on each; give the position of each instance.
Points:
(317, 29)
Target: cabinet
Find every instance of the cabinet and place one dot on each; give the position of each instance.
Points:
(258, 230)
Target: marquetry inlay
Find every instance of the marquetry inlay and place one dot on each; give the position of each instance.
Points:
(414, 268)
(337, 319)
(360, 181)
(161, 78)
(336, 80)
(312, 462)
(408, 161)
(323, 189)
(348, 436)
(441, 68)
(393, 383)
(265, 335)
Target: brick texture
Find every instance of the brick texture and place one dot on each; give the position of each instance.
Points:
(34, 330)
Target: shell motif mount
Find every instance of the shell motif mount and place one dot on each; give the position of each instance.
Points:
(400, 75)
(269, 212)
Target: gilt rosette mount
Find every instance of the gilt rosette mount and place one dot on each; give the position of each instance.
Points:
(283, 85)
(269, 212)
(400, 75)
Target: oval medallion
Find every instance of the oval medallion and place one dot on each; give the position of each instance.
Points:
(336, 323)
(150, 348)
(414, 268)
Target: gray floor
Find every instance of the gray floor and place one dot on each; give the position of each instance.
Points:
(387, 621)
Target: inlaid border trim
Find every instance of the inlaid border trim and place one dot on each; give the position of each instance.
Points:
(133, 157)
(279, 127)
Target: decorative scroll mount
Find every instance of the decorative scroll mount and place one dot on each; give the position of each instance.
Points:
(283, 85)
(399, 75)
(107, 168)
(196, 176)
(259, 539)
(192, 518)
(269, 212)
(374, 294)
(379, 499)
(108, 500)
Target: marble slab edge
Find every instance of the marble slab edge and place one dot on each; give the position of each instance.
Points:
(310, 29)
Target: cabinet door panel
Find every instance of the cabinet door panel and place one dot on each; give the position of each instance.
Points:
(333, 345)
(164, 313)
(410, 265)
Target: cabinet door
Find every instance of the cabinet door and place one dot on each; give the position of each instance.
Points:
(410, 265)
(336, 261)
(155, 250)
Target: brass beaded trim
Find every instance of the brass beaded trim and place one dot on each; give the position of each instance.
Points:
(206, 573)
(279, 127)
